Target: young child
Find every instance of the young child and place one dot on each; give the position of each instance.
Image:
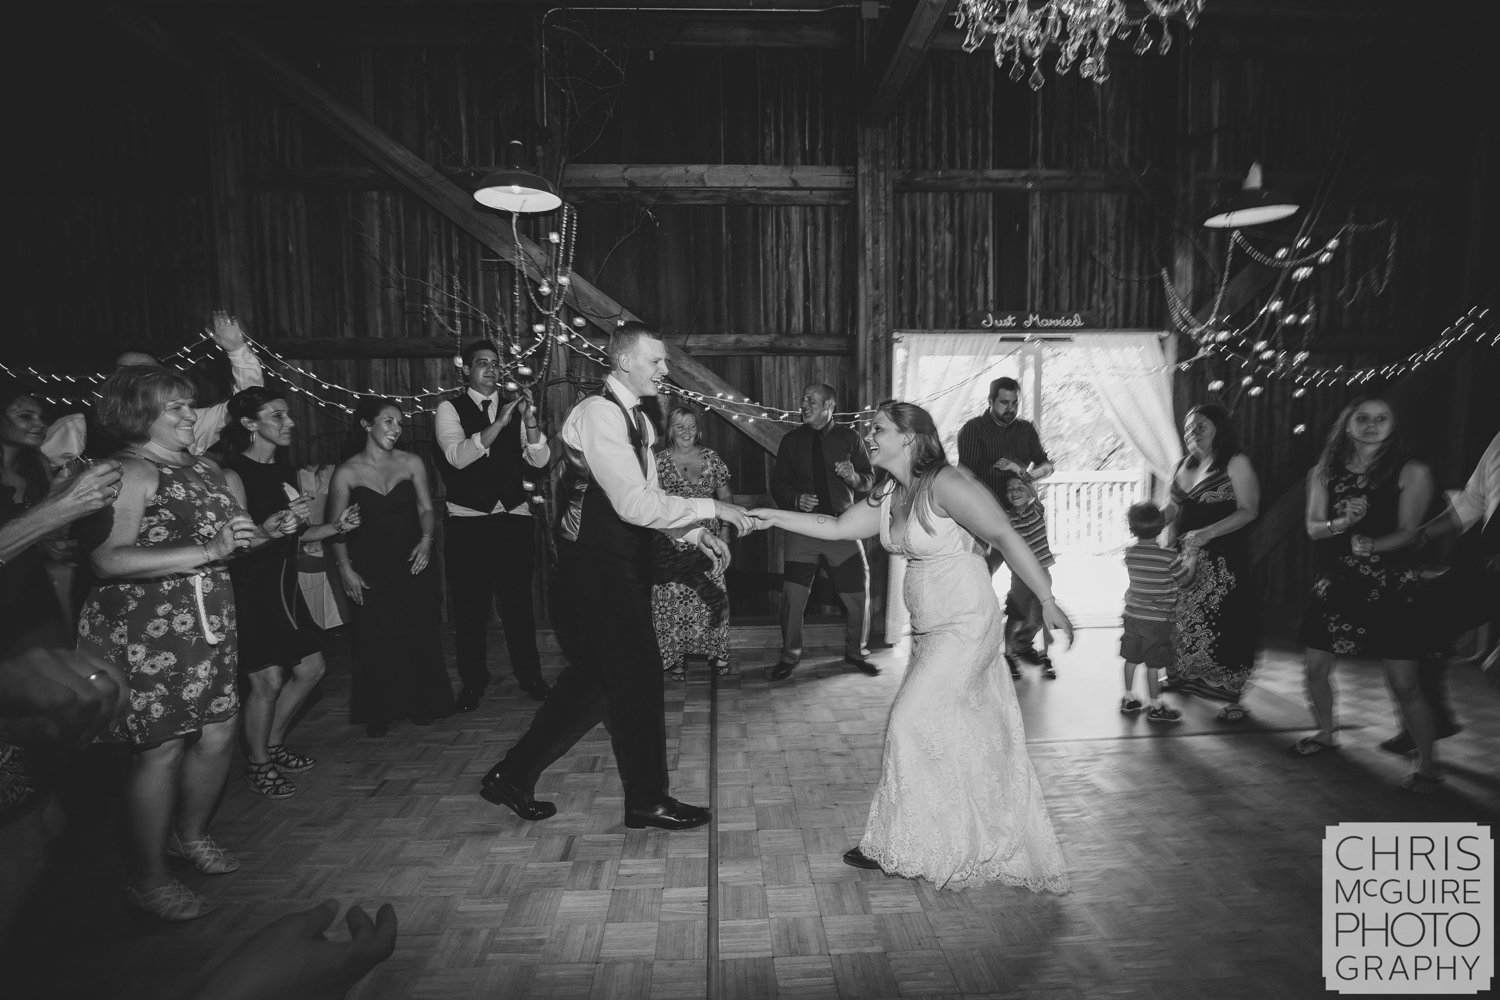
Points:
(1155, 574)
(1023, 612)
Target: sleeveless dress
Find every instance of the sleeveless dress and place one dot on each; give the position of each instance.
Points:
(1215, 627)
(152, 629)
(689, 601)
(399, 669)
(958, 802)
(275, 626)
(1364, 607)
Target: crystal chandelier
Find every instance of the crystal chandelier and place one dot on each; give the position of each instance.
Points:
(1021, 30)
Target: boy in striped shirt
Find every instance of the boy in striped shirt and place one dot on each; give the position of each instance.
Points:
(1155, 574)
(1023, 612)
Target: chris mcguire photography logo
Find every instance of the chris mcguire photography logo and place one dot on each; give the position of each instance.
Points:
(1408, 908)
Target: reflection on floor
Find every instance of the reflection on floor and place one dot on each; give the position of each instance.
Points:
(1194, 851)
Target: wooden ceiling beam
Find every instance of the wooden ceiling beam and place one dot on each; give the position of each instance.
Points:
(908, 31)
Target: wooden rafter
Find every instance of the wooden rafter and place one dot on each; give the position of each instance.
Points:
(898, 52)
(426, 182)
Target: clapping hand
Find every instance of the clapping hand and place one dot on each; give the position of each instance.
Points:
(1363, 546)
(348, 520)
(239, 532)
(280, 524)
(844, 469)
(290, 959)
(225, 330)
(79, 495)
(807, 502)
(1352, 510)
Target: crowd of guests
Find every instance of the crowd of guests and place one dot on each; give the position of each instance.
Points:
(192, 632)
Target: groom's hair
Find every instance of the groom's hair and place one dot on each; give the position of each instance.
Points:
(626, 337)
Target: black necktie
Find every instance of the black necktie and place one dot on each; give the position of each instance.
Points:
(642, 442)
(484, 408)
(820, 476)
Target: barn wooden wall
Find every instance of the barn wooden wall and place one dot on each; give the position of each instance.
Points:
(130, 173)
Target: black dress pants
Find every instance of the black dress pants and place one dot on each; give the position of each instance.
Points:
(491, 561)
(601, 609)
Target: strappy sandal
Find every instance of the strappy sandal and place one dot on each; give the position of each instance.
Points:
(171, 901)
(206, 855)
(289, 762)
(1233, 713)
(721, 667)
(678, 673)
(264, 779)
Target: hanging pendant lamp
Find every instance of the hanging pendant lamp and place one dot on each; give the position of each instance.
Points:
(517, 190)
(1252, 205)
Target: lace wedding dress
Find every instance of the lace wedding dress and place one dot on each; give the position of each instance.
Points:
(958, 802)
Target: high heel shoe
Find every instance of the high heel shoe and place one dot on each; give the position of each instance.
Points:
(206, 855)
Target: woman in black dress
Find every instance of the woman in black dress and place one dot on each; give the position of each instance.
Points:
(1215, 497)
(399, 670)
(276, 630)
(1366, 498)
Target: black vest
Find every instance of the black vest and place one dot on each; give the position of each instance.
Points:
(489, 478)
(586, 516)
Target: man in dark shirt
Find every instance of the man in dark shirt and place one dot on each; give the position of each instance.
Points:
(992, 446)
(823, 467)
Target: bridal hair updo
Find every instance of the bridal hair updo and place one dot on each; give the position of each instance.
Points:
(927, 454)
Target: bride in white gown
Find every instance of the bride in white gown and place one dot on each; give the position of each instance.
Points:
(958, 802)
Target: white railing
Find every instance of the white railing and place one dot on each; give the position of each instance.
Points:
(1086, 510)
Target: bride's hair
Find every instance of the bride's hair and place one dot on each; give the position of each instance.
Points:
(927, 455)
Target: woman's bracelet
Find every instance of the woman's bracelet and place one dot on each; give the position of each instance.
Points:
(208, 556)
(1331, 529)
(342, 562)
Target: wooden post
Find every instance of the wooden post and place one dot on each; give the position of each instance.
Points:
(875, 274)
(226, 166)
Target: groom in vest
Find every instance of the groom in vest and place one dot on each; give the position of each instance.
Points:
(490, 447)
(610, 506)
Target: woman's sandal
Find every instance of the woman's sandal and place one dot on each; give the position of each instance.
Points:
(721, 667)
(1308, 747)
(171, 901)
(1421, 784)
(264, 779)
(1233, 713)
(678, 673)
(206, 855)
(288, 761)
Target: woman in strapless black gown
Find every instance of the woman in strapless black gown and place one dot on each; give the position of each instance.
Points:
(399, 669)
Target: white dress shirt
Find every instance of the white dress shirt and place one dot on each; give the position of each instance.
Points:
(1479, 498)
(68, 435)
(462, 451)
(594, 428)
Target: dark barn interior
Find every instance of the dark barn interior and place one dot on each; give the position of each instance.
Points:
(789, 191)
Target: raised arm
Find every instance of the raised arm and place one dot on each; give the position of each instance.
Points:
(244, 368)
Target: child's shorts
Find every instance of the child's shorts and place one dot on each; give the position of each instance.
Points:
(1147, 642)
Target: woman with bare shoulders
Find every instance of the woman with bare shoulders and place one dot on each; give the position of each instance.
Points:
(399, 670)
(958, 802)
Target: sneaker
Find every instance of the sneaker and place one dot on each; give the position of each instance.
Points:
(1015, 666)
(1161, 713)
(1048, 670)
(1130, 704)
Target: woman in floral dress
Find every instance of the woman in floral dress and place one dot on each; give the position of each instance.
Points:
(163, 612)
(1366, 498)
(1215, 498)
(689, 599)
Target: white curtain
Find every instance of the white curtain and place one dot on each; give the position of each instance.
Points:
(1133, 377)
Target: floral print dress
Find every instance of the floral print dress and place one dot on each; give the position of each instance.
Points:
(152, 629)
(1364, 607)
(689, 601)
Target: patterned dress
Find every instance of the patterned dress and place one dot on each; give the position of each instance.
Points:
(689, 599)
(152, 629)
(1364, 607)
(1214, 631)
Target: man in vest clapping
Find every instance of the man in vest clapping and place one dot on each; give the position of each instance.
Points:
(491, 448)
(611, 506)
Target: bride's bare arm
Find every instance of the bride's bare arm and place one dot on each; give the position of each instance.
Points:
(859, 521)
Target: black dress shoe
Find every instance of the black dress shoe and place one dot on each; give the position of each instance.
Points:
(468, 700)
(538, 689)
(669, 815)
(864, 665)
(782, 670)
(499, 789)
(855, 858)
(377, 729)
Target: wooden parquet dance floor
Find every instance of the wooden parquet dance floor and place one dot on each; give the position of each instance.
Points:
(1194, 852)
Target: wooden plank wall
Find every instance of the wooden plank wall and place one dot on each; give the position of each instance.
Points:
(1069, 199)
